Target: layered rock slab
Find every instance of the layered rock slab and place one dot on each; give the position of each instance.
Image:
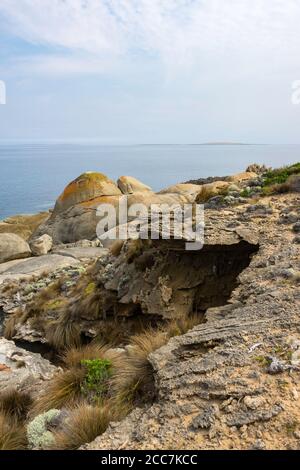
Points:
(217, 387)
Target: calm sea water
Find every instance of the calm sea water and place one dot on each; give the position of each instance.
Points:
(33, 175)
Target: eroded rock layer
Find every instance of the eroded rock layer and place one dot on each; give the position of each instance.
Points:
(233, 382)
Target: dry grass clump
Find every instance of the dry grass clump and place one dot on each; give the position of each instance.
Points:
(73, 357)
(12, 433)
(10, 324)
(64, 332)
(64, 389)
(133, 379)
(85, 423)
(112, 332)
(294, 183)
(82, 379)
(91, 304)
(205, 195)
(10, 288)
(135, 248)
(180, 326)
(116, 248)
(48, 293)
(16, 404)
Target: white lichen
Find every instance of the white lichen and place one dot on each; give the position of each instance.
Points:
(38, 434)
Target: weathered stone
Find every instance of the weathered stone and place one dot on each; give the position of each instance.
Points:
(240, 418)
(75, 213)
(81, 253)
(206, 419)
(13, 247)
(257, 168)
(190, 191)
(240, 177)
(41, 245)
(25, 269)
(296, 227)
(86, 187)
(23, 225)
(130, 185)
(24, 370)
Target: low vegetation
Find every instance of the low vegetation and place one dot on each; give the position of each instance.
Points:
(12, 433)
(84, 424)
(180, 326)
(208, 192)
(75, 356)
(64, 389)
(282, 180)
(280, 175)
(96, 381)
(15, 404)
(63, 332)
(10, 324)
(133, 381)
(86, 374)
(95, 373)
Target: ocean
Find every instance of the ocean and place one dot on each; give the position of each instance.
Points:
(32, 175)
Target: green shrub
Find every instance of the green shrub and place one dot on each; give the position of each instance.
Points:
(246, 193)
(98, 372)
(280, 175)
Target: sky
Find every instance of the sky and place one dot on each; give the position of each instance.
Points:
(150, 71)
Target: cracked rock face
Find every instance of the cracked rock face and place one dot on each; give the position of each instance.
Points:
(157, 281)
(22, 369)
(214, 386)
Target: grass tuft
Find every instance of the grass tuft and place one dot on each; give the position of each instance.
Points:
(10, 324)
(16, 404)
(116, 248)
(64, 389)
(12, 433)
(73, 357)
(133, 379)
(64, 332)
(85, 423)
(180, 326)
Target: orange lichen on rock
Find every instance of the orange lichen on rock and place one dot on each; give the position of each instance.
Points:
(92, 203)
(86, 187)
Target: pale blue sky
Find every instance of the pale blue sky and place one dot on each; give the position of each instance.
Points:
(150, 71)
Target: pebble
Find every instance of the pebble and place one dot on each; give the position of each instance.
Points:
(296, 227)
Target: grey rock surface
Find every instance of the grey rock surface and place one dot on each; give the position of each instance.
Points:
(13, 247)
(21, 369)
(36, 266)
(41, 245)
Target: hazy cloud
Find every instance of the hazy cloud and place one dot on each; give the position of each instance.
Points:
(151, 70)
(177, 32)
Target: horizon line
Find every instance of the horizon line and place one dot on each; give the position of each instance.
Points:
(99, 142)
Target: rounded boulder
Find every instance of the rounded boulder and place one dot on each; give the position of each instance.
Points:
(86, 187)
(13, 247)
